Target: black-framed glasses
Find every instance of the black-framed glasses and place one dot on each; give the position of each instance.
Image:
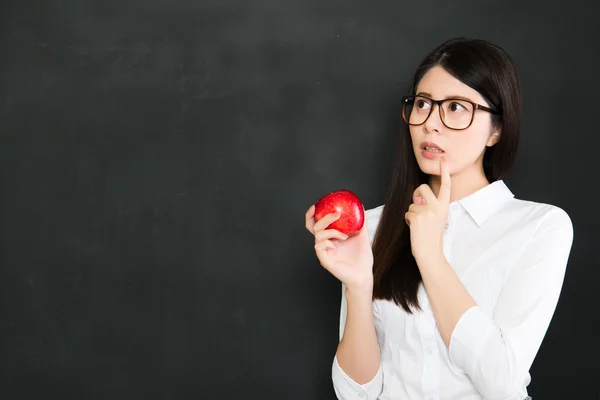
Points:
(455, 113)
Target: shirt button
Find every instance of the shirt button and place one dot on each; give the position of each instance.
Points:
(446, 226)
(429, 350)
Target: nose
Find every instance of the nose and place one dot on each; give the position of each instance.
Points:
(433, 123)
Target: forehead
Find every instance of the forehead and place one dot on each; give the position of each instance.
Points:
(440, 84)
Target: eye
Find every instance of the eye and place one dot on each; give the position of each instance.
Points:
(456, 107)
(421, 104)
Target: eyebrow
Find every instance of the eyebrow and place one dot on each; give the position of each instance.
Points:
(449, 97)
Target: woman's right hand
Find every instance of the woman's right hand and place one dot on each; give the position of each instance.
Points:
(349, 259)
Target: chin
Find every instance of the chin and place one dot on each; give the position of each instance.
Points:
(429, 167)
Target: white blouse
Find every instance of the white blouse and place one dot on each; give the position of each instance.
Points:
(511, 256)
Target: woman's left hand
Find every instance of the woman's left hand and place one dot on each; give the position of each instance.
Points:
(427, 217)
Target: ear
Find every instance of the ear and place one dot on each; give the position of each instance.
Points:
(494, 138)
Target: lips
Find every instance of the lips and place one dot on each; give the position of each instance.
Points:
(430, 145)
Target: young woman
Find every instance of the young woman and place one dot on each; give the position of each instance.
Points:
(449, 288)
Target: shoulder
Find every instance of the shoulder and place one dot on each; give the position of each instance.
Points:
(541, 212)
(543, 218)
(372, 218)
(374, 213)
(541, 237)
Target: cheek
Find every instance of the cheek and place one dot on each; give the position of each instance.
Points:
(468, 144)
(465, 151)
(472, 141)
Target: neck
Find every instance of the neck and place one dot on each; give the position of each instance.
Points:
(463, 184)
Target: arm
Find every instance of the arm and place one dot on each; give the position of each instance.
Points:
(497, 353)
(356, 370)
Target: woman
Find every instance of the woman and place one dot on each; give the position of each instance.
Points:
(449, 288)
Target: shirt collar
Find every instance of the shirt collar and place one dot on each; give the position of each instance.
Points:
(486, 201)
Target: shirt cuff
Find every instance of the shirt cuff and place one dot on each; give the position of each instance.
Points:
(347, 389)
(469, 337)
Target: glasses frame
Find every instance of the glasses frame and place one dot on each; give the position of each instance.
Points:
(476, 106)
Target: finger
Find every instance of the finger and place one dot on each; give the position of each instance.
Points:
(328, 234)
(426, 193)
(326, 221)
(445, 186)
(321, 248)
(417, 199)
(408, 217)
(309, 219)
(417, 208)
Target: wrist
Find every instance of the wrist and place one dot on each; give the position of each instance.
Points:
(360, 290)
(430, 258)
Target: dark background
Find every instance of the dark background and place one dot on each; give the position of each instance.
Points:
(158, 156)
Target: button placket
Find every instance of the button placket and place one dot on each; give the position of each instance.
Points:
(447, 238)
(430, 378)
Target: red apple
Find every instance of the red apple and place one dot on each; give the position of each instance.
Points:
(348, 205)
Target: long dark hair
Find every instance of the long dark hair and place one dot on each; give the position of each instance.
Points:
(486, 68)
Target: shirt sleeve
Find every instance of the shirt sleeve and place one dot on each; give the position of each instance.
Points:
(497, 352)
(345, 387)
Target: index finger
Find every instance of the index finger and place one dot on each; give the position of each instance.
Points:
(327, 220)
(445, 181)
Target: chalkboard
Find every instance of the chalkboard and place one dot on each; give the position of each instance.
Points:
(157, 158)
